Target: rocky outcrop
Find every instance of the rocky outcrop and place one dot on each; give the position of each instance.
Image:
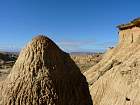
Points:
(84, 62)
(129, 36)
(44, 75)
(115, 80)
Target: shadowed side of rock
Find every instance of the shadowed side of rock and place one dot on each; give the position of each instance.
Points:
(45, 75)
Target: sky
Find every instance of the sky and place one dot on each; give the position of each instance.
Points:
(75, 25)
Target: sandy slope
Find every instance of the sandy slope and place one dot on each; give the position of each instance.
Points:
(116, 79)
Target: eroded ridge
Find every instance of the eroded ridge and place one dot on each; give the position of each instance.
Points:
(44, 75)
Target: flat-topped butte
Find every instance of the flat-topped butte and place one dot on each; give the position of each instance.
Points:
(133, 23)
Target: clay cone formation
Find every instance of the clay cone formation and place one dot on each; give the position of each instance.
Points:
(116, 79)
(44, 75)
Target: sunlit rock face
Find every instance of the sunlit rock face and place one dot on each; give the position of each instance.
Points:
(129, 36)
(44, 75)
(115, 80)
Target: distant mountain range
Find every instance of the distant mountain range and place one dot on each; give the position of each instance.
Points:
(84, 53)
(71, 53)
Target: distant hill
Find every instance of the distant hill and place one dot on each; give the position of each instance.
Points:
(8, 56)
(85, 53)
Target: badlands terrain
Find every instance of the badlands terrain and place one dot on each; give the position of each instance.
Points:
(7, 60)
(43, 74)
(83, 60)
(115, 80)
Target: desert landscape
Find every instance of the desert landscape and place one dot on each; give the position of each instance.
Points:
(69, 52)
(7, 60)
(83, 60)
(115, 79)
(112, 78)
(44, 74)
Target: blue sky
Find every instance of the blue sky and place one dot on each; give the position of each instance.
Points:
(75, 25)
